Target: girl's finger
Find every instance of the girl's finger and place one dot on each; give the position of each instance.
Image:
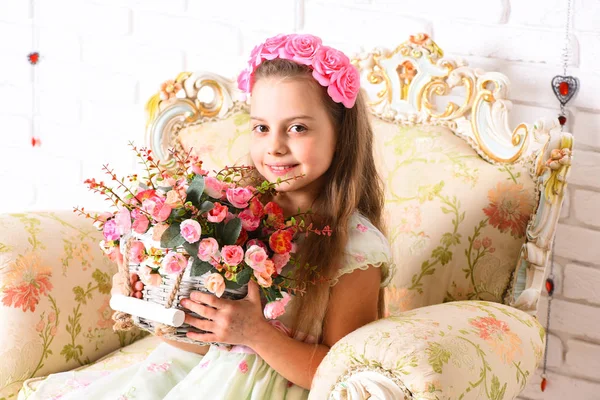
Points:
(200, 309)
(202, 337)
(207, 298)
(253, 292)
(202, 324)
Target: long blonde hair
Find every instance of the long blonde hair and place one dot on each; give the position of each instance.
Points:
(352, 183)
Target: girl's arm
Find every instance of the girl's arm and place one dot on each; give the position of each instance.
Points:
(352, 304)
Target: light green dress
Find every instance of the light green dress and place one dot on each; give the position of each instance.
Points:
(171, 373)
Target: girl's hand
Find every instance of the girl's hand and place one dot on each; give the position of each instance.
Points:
(229, 321)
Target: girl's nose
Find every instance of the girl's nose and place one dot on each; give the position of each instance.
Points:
(277, 143)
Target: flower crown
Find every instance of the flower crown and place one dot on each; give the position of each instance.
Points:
(330, 67)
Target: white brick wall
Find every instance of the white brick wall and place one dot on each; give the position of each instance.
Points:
(102, 59)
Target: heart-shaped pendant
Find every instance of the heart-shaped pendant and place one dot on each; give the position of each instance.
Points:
(564, 88)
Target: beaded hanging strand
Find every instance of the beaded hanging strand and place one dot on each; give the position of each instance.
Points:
(564, 87)
(33, 58)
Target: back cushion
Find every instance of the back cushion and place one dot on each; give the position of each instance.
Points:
(455, 221)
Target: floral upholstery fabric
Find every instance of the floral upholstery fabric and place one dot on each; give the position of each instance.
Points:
(54, 293)
(458, 350)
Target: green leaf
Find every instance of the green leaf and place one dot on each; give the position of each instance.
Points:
(206, 206)
(200, 267)
(172, 238)
(103, 280)
(191, 248)
(195, 190)
(437, 356)
(79, 294)
(231, 231)
(244, 275)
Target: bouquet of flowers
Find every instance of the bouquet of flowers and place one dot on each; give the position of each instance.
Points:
(180, 229)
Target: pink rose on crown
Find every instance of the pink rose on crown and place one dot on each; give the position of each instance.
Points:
(243, 81)
(344, 86)
(328, 62)
(239, 197)
(256, 55)
(190, 230)
(300, 48)
(271, 46)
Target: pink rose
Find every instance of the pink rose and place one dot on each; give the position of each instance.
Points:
(174, 263)
(280, 261)
(327, 62)
(156, 207)
(137, 252)
(215, 284)
(158, 230)
(173, 199)
(148, 277)
(214, 187)
(263, 279)
(244, 81)
(275, 309)
(344, 86)
(250, 222)
(256, 242)
(239, 197)
(255, 258)
(300, 48)
(256, 55)
(140, 224)
(218, 213)
(123, 220)
(232, 255)
(208, 249)
(110, 230)
(271, 46)
(190, 230)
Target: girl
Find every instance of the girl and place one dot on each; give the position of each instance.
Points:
(308, 119)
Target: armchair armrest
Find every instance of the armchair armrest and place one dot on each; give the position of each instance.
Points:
(465, 349)
(54, 297)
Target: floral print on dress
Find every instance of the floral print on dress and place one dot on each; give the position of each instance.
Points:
(154, 367)
(362, 228)
(243, 366)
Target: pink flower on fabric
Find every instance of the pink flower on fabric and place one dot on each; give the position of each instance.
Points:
(214, 187)
(141, 224)
(218, 213)
(250, 222)
(110, 230)
(174, 263)
(204, 364)
(243, 366)
(190, 230)
(154, 367)
(137, 252)
(208, 249)
(344, 86)
(280, 261)
(232, 255)
(362, 228)
(300, 48)
(360, 258)
(239, 197)
(256, 258)
(215, 284)
(123, 220)
(275, 309)
(327, 62)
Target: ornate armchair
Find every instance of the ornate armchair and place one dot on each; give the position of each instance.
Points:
(472, 207)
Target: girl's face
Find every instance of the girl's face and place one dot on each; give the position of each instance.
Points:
(292, 133)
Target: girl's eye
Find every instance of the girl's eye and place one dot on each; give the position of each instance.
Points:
(298, 128)
(259, 129)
